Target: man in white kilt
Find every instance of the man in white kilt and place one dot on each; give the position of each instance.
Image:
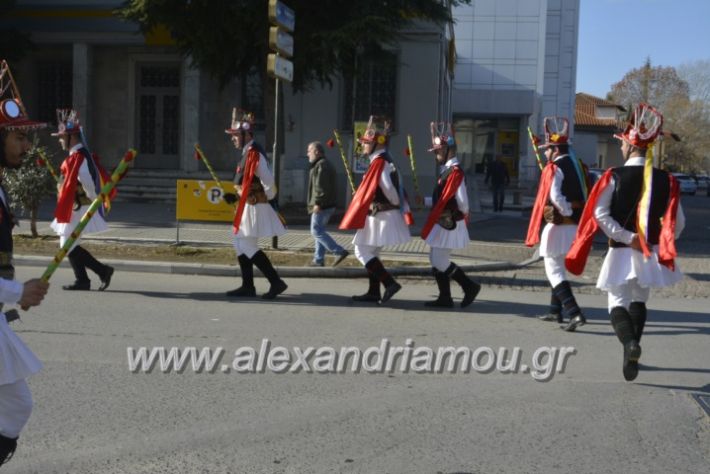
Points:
(560, 199)
(446, 227)
(638, 207)
(255, 216)
(17, 362)
(378, 211)
(81, 180)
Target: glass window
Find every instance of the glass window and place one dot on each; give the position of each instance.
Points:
(373, 92)
(54, 89)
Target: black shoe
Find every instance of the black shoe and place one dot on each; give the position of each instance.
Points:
(78, 286)
(632, 354)
(470, 294)
(340, 258)
(243, 292)
(441, 303)
(368, 297)
(106, 280)
(276, 289)
(316, 264)
(7, 448)
(390, 291)
(551, 317)
(574, 323)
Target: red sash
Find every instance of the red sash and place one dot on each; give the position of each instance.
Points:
(359, 207)
(252, 163)
(543, 192)
(453, 182)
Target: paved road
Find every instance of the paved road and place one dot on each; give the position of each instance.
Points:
(93, 415)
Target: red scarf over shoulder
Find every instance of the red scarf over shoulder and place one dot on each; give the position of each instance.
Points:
(252, 163)
(453, 182)
(543, 192)
(359, 207)
(70, 169)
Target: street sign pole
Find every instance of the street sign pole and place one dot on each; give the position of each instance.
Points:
(283, 21)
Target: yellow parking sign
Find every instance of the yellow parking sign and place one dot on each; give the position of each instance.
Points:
(202, 201)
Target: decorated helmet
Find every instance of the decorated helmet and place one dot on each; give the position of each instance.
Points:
(67, 122)
(242, 121)
(556, 132)
(442, 134)
(13, 115)
(643, 128)
(377, 131)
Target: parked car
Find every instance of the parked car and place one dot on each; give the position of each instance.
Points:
(702, 182)
(687, 184)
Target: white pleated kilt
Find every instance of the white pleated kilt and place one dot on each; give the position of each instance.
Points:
(383, 229)
(260, 220)
(624, 263)
(17, 362)
(95, 225)
(556, 240)
(456, 238)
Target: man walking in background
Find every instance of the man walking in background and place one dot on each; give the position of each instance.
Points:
(321, 205)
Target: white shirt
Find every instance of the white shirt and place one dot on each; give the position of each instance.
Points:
(388, 188)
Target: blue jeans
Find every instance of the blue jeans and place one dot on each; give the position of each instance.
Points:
(323, 240)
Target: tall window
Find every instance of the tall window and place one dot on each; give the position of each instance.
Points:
(54, 89)
(372, 92)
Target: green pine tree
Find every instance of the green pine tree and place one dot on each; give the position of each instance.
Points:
(29, 184)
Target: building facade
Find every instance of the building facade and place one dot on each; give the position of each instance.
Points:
(517, 63)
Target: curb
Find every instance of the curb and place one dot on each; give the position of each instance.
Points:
(290, 272)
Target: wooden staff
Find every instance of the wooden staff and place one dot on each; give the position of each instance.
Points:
(44, 161)
(348, 171)
(534, 145)
(413, 165)
(203, 158)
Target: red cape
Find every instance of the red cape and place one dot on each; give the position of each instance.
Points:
(543, 191)
(577, 256)
(359, 207)
(452, 185)
(70, 169)
(250, 167)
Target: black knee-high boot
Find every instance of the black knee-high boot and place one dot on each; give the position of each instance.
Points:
(470, 288)
(378, 271)
(444, 284)
(555, 311)
(563, 291)
(278, 286)
(247, 270)
(637, 312)
(624, 329)
(105, 272)
(81, 278)
(7, 448)
(373, 291)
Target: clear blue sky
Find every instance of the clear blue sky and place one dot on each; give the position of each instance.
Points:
(616, 36)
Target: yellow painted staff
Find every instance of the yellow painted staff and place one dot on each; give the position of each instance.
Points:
(44, 161)
(348, 171)
(117, 175)
(203, 158)
(534, 145)
(413, 165)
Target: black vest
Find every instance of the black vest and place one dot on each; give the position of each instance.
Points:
(451, 205)
(571, 187)
(627, 195)
(380, 198)
(7, 222)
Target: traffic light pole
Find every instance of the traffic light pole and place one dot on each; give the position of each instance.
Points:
(275, 161)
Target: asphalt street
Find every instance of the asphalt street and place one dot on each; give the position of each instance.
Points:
(94, 415)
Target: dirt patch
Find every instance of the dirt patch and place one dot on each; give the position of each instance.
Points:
(48, 245)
